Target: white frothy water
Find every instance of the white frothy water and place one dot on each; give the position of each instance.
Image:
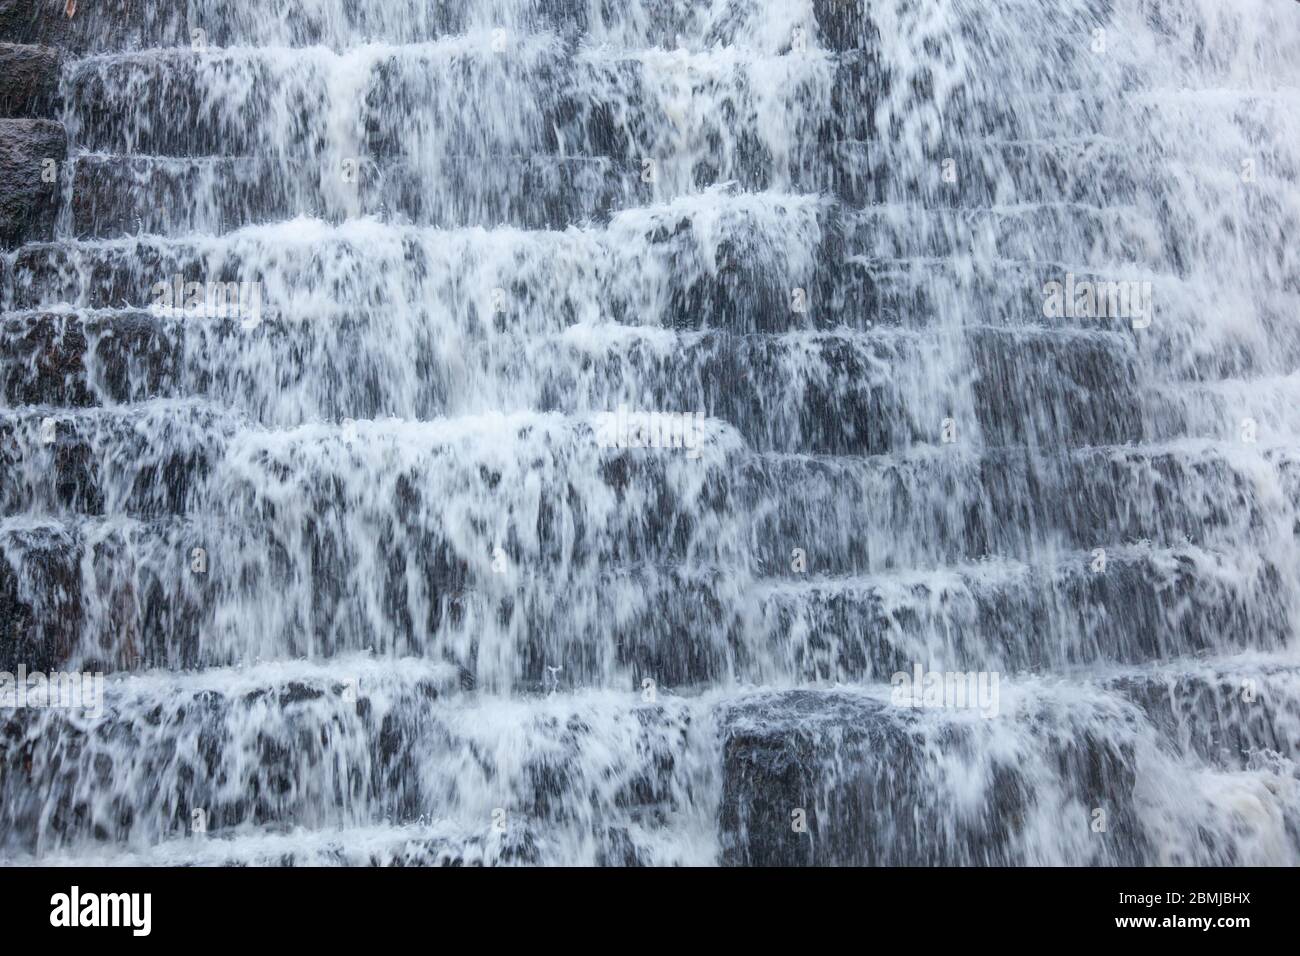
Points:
(370, 590)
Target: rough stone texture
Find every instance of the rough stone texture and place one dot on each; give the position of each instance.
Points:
(1229, 720)
(865, 775)
(55, 359)
(40, 598)
(117, 195)
(28, 205)
(29, 81)
(33, 21)
(844, 24)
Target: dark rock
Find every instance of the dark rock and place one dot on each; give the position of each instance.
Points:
(29, 81)
(845, 24)
(1227, 719)
(31, 159)
(53, 358)
(873, 783)
(33, 21)
(96, 24)
(40, 598)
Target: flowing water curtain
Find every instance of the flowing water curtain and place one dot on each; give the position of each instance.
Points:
(667, 432)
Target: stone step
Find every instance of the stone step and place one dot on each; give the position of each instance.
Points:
(946, 505)
(824, 392)
(808, 776)
(1242, 410)
(1202, 123)
(451, 843)
(707, 248)
(357, 743)
(446, 843)
(177, 457)
(119, 195)
(696, 118)
(1061, 775)
(29, 81)
(721, 258)
(1239, 713)
(114, 594)
(111, 25)
(31, 152)
(466, 287)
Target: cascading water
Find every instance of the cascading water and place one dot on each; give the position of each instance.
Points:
(368, 584)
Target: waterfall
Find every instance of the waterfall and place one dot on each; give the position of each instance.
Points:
(658, 432)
